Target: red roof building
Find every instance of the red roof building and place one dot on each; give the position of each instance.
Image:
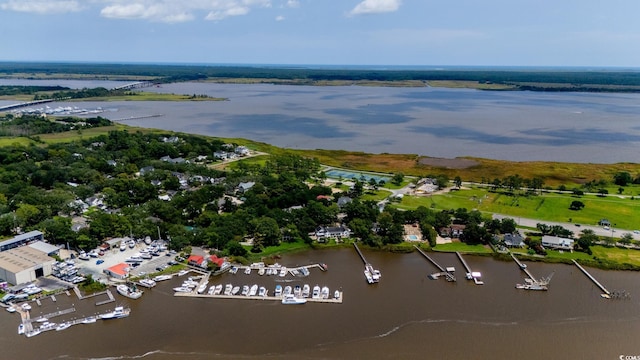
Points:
(195, 260)
(118, 271)
(216, 260)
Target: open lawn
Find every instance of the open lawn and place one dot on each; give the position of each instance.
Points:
(375, 195)
(618, 255)
(70, 136)
(463, 248)
(624, 213)
(284, 247)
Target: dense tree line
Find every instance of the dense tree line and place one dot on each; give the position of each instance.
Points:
(27, 90)
(28, 125)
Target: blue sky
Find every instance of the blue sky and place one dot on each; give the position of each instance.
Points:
(344, 32)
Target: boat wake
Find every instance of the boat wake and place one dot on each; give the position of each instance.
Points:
(149, 354)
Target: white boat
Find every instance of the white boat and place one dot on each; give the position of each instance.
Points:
(47, 326)
(324, 293)
(89, 320)
(283, 271)
(304, 271)
(294, 272)
(336, 294)
(245, 290)
(11, 309)
(93, 254)
(147, 283)
(31, 290)
(261, 271)
(83, 256)
(26, 307)
(217, 290)
(316, 292)
(162, 278)
(293, 300)
(262, 291)
(306, 289)
(183, 272)
(287, 290)
(145, 255)
(182, 289)
(131, 244)
(33, 332)
(131, 292)
(202, 288)
(147, 240)
(235, 290)
(134, 259)
(297, 291)
(368, 276)
(227, 289)
(278, 291)
(254, 290)
(118, 312)
(123, 246)
(20, 329)
(63, 326)
(233, 270)
(247, 270)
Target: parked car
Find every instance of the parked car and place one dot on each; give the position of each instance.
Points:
(99, 261)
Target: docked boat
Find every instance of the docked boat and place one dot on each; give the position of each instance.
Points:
(83, 256)
(42, 320)
(182, 289)
(316, 292)
(336, 295)
(287, 290)
(261, 271)
(368, 276)
(324, 293)
(89, 320)
(262, 291)
(117, 313)
(247, 271)
(11, 309)
(523, 266)
(162, 278)
(294, 272)
(245, 290)
(235, 290)
(63, 326)
(233, 270)
(93, 253)
(306, 290)
(21, 329)
(25, 306)
(253, 290)
(47, 326)
(304, 271)
(293, 300)
(202, 288)
(33, 332)
(147, 283)
(217, 290)
(131, 244)
(183, 272)
(278, 291)
(31, 290)
(283, 271)
(297, 291)
(212, 289)
(227, 289)
(130, 291)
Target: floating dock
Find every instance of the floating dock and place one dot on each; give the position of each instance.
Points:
(606, 294)
(267, 298)
(372, 275)
(471, 275)
(449, 276)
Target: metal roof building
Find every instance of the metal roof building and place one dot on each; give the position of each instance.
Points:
(24, 264)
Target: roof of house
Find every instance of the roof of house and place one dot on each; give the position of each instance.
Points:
(513, 239)
(121, 269)
(555, 240)
(197, 259)
(215, 259)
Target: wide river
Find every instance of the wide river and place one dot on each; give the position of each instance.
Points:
(438, 122)
(405, 316)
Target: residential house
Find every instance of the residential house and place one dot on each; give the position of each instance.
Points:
(513, 240)
(146, 170)
(171, 140)
(242, 151)
(558, 243)
(220, 155)
(112, 162)
(197, 260)
(245, 186)
(452, 231)
(332, 232)
(343, 201)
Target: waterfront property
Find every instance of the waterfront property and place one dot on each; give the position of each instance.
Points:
(324, 233)
(558, 243)
(118, 271)
(25, 264)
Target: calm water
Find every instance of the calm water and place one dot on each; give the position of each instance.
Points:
(521, 126)
(404, 316)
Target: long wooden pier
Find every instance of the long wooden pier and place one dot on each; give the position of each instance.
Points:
(592, 278)
(471, 275)
(522, 267)
(360, 253)
(449, 275)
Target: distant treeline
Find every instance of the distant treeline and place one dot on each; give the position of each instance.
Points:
(29, 125)
(28, 90)
(623, 80)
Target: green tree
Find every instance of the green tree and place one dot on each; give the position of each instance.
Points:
(266, 231)
(457, 181)
(626, 238)
(586, 240)
(397, 179)
(622, 178)
(576, 205)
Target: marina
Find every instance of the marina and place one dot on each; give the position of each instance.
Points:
(329, 300)
(471, 275)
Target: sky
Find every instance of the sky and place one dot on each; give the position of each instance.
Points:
(590, 33)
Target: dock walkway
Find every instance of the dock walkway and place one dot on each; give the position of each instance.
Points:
(522, 267)
(267, 298)
(592, 278)
(443, 271)
(471, 275)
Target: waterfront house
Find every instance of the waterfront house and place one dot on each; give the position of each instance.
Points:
(196, 260)
(513, 240)
(242, 151)
(452, 231)
(332, 232)
(558, 243)
(118, 271)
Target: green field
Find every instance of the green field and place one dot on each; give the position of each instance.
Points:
(463, 248)
(623, 213)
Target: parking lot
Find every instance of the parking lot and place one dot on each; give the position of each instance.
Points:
(115, 256)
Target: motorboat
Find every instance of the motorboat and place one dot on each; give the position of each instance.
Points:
(89, 320)
(227, 289)
(245, 290)
(297, 291)
(306, 289)
(63, 326)
(11, 309)
(147, 240)
(183, 272)
(21, 329)
(47, 326)
(316, 292)
(324, 293)
(293, 300)
(25, 306)
(134, 259)
(304, 271)
(217, 290)
(162, 278)
(130, 291)
(247, 271)
(83, 256)
(336, 295)
(278, 291)
(254, 290)
(287, 290)
(262, 291)
(31, 290)
(368, 276)
(202, 288)
(294, 272)
(118, 312)
(145, 255)
(261, 271)
(42, 320)
(147, 283)
(33, 332)
(183, 289)
(283, 271)
(212, 288)
(131, 244)
(235, 290)
(233, 270)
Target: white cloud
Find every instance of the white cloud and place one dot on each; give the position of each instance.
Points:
(293, 3)
(173, 11)
(279, 18)
(42, 6)
(376, 7)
